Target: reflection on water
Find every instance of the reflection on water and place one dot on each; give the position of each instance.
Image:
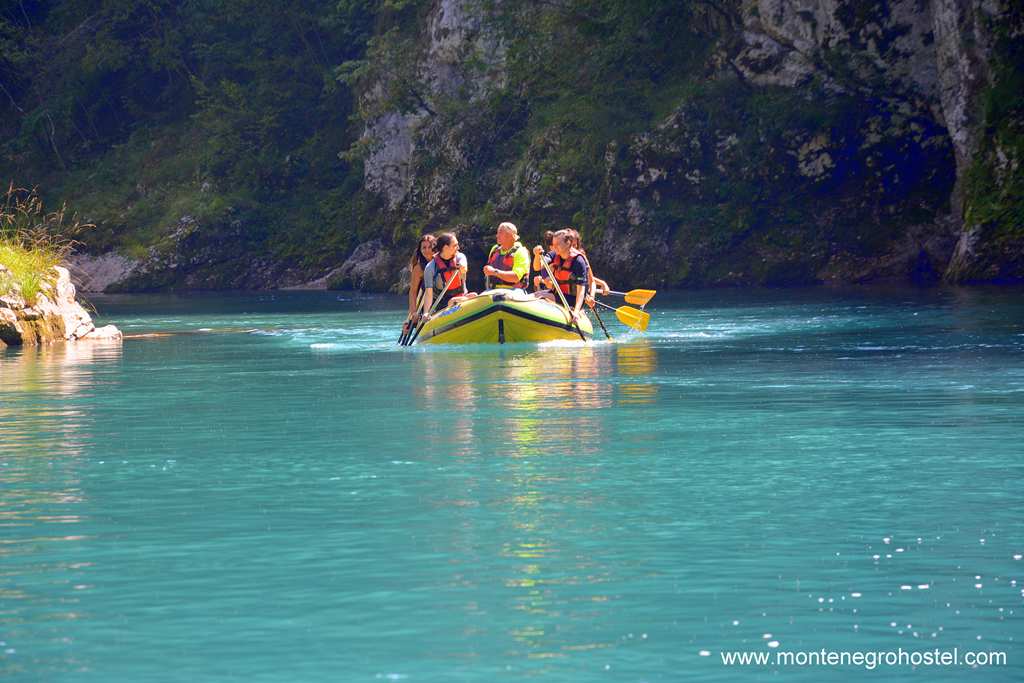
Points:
(539, 415)
(62, 369)
(635, 363)
(447, 391)
(552, 582)
(46, 395)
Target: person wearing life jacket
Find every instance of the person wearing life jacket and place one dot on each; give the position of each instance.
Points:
(595, 285)
(540, 280)
(423, 255)
(445, 275)
(570, 269)
(508, 262)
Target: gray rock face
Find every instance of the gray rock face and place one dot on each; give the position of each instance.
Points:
(94, 273)
(194, 256)
(371, 266)
(458, 31)
(868, 120)
(765, 61)
(939, 51)
(388, 168)
(456, 36)
(10, 328)
(935, 49)
(849, 43)
(963, 51)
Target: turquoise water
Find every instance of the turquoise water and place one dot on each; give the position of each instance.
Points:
(276, 492)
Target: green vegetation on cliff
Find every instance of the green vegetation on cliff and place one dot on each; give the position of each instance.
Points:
(141, 113)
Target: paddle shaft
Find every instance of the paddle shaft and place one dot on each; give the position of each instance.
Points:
(598, 316)
(433, 307)
(406, 330)
(554, 282)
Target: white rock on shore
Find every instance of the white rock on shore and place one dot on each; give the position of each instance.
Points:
(55, 316)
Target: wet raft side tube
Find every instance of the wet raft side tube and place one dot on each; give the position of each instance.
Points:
(500, 316)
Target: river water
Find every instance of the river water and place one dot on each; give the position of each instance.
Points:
(274, 491)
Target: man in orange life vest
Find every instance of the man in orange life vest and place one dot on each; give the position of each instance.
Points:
(508, 263)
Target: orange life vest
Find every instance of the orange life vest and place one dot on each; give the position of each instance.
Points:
(445, 272)
(562, 270)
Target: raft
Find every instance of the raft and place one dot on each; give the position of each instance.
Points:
(503, 316)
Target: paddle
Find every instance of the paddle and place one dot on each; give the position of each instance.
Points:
(598, 316)
(433, 307)
(547, 267)
(640, 297)
(631, 317)
(406, 329)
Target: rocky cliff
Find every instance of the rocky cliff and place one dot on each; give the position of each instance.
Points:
(811, 141)
(706, 143)
(942, 58)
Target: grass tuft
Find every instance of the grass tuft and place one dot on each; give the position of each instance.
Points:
(32, 242)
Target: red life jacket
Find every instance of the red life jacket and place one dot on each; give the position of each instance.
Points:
(505, 262)
(445, 272)
(562, 270)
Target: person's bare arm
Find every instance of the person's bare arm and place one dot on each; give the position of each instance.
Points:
(415, 278)
(580, 297)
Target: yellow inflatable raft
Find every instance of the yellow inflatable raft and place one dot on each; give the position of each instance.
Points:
(500, 316)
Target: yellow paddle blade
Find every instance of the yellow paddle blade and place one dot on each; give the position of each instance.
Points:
(633, 317)
(640, 297)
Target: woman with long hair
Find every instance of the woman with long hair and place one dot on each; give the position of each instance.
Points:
(596, 285)
(569, 268)
(417, 262)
